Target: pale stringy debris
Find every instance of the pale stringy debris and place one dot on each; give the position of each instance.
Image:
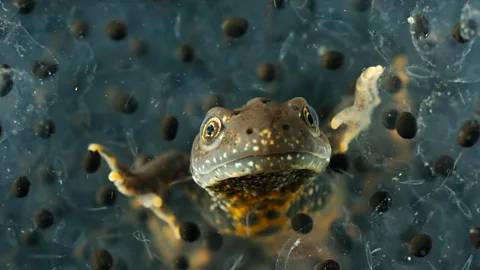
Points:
(284, 256)
(467, 264)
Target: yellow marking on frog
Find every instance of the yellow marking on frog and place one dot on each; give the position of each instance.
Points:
(357, 117)
(106, 155)
(225, 119)
(95, 147)
(114, 176)
(244, 227)
(157, 201)
(266, 133)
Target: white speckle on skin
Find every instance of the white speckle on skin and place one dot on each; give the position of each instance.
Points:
(289, 157)
(256, 148)
(238, 164)
(250, 163)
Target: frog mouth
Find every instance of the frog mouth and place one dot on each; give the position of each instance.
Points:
(254, 165)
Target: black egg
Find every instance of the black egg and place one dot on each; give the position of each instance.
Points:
(339, 162)
(380, 202)
(91, 161)
(406, 125)
(102, 260)
(106, 196)
(189, 231)
(169, 128)
(333, 60)
(474, 237)
(327, 265)
(389, 118)
(21, 187)
(302, 223)
(43, 218)
(235, 27)
(420, 245)
(469, 133)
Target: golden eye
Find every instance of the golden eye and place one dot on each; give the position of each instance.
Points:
(310, 117)
(211, 128)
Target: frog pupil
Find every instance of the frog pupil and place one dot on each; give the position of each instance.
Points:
(210, 129)
(310, 118)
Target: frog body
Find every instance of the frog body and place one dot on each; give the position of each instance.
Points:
(254, 167)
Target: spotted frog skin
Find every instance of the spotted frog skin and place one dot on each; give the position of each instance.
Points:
(253, 167)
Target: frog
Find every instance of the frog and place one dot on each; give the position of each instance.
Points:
(253, 168)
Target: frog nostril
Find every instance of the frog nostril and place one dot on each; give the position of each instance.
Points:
(249, 131)
(264, 100)
(286, 127)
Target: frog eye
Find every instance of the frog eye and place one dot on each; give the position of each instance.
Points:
(211, 129)
(310, 117)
